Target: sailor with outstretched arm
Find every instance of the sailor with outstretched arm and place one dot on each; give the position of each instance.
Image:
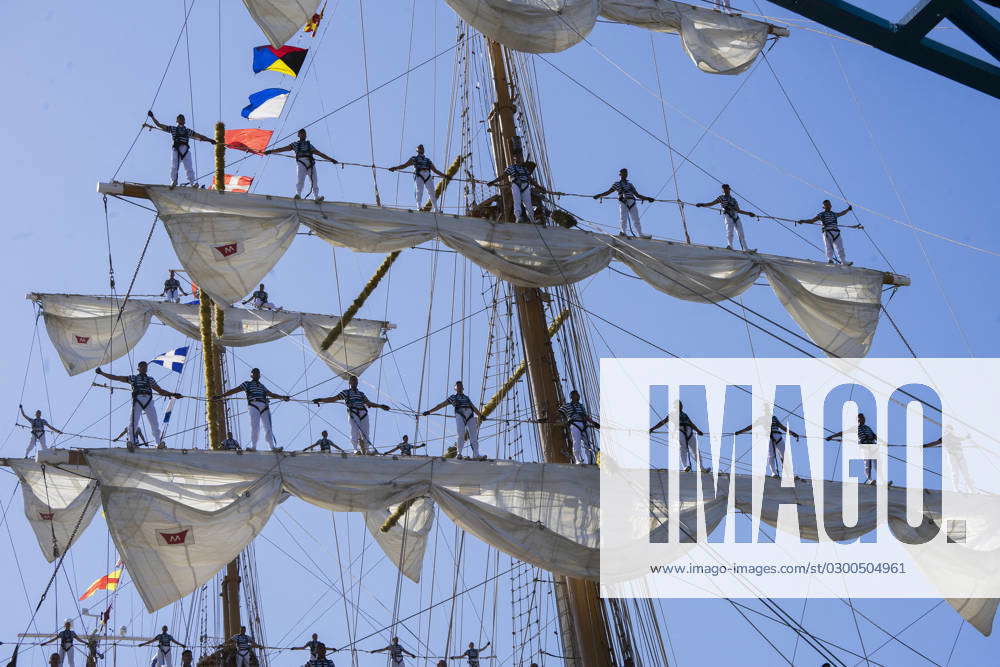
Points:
(423, 176)
(143, 387)
(164, 640)
(775, 446)
(259, 407)
(305, 161)
(689, 445)
(357, 412)
(66, 637)
(396, 652)
(628, 208)
(172, 289)
(325, 445)
(38, 426)
(181, 146)
(230, 444)
(578, 421)
(404, 447)
(319, 658)
(467, 418)
(472, 654)
(260, 300)
(731, 216)
(243, 643)
(831, 231)
(521, 181)
(869, 447)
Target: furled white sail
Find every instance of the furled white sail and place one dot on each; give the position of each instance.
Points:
(837, 306)
(281, 19)
(178, 517)
(716, 42)
(405, 543)
(57, 502)
(532, 26)
(82, 330)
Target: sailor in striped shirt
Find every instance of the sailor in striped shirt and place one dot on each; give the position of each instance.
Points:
(731, 216)
(467, 417)
(180, 147)
(164, 640)
(260, 300)
(230, 444)
(324, 444)
(38, 426)
(689, 444)
(396, 652)
(521, 181)
(357, 413)
(831, 231)
(143, 387)
(628, 209)
(319, 658)
(172, 289)
(776, 444)
(869, 447)
(404, 447)
(66, 637)
(423, 176)
(472, 654)
(305, 163)
(258, 402)
(578, 422)
(243, 643)
(313, 646)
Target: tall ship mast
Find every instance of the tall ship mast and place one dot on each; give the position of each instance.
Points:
(184, 512)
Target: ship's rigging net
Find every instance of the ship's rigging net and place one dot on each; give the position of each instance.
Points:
(837, 306)
(178, 517)
(717, 43)
(86, 330)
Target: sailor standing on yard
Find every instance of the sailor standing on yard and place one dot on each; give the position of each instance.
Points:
(324, 444)
(731, 216)
(357, 413)
(521, 181)
(404, 447)
(472, 654)
(305, 161)
(163, 643)
(319, 658)
(396, 652)
(66, 637)
(38, 426)
(467, 418)
(578, 422)
(181, 148)
(243, 644)
(423, 176)
(831, 231)
(143, 387)
(230, 444)
(775, 446)
(627, 206)
(172, 289)
(258, 402)
(259, 300)
(869, 447)
(689, 445)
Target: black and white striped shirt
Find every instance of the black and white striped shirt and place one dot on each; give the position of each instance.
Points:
(303, 148)
(730, 206)
(230, 444)
(255, 391)
(626, 191)
(354, 399)
(260, 295)
(324, 444)
(242, 641)
(38, 425)
(181, 135)
(66, 638)
(866, 436)
(421, 163)
(828, 220)
(163, 640)
(473, 655)
(142, 385)
(462, 405)
(171, 283)
(574, 412)
(519, 174)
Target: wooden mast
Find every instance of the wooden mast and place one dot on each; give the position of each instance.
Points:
(215, 416)
(582, 622)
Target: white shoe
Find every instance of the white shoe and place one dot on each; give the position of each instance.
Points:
(688, 469)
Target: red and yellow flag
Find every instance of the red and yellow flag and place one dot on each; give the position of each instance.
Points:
(313, 24)
(108, 582)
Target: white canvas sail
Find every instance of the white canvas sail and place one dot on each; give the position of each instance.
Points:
(59, 503)
(532, 26)
(405, 543)
(279, 20)
(837, 306)
(80, 328)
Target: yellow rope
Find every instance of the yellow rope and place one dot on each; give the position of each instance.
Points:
(349, 314)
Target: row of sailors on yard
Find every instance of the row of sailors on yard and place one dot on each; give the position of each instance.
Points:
(242, 645)
(524, 189)
(573, 414)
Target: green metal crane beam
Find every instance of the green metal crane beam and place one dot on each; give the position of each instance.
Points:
(908, 39)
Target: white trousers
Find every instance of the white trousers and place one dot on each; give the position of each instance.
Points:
(260, 412)
(144, 405)
(870, 469)
(173, 296)
(164, 657)
(359, 432)
(425, 185)
(522, 199)
(65, 653)
(775, 454)
(468, 427)
(581, 444)
(263, 305)
(734, 225)
(242, 659)
(832, 241)
(629, 209)
(176, 162)
(301, 172)
(36, 439)
(689, 450)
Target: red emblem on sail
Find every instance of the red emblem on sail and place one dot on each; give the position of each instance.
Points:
(82, 340)
(46, 516)
(171, 539)
(227, 249)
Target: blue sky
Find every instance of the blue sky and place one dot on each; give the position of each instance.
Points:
(81, 78)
